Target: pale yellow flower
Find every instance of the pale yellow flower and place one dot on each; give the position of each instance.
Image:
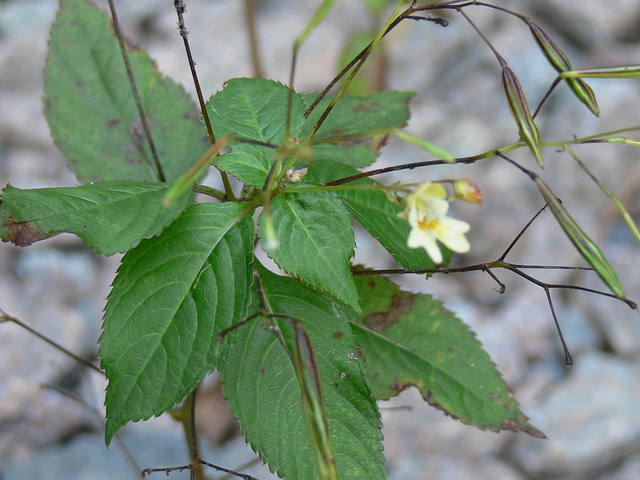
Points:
(426, 210)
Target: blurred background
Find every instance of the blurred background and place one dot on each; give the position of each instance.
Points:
(51, 412)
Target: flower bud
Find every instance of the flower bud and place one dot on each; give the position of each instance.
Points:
(465, 189)
(295, 176)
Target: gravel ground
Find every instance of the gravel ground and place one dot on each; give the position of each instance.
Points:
(589, 411)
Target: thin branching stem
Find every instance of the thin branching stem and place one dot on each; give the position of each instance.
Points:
(546, 96)
(519, 235)
(244, 466)
(411, 166)
(502, 287)
(98, 414)
(252, 33)
(184, 33)
(501, 60)
(4, 317)
(358, 60)
(568, 361)
(132, 81)
(227, 471)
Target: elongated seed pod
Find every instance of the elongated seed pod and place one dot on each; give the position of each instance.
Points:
(561, 63)
(312, 405)
(584, 94)
(550, 50)
(589, 250)
(521, 113)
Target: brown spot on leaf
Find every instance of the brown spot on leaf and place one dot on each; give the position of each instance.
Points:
(399, 386)
(338, 334)
(23, 234)
(378, 142)
(113, 123)
(401, 304)
(263, 370)
(365, 107)
(375, 142)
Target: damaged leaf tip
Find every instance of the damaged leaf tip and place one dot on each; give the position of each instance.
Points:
(21, 234)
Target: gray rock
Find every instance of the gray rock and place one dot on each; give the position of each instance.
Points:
(591, 419)
(155, 444)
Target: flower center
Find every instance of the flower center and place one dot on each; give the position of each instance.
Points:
(430, 225)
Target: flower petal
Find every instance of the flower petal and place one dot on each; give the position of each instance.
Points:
(421, 238)
(451, 233)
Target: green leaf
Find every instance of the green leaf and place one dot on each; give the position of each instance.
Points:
(90, 107)
(360, 116)
(315, 239)
(373, 210)
(412, 340)
(260, 384)
(357, 155)
(172, 295)
(248, 163)
(110, 217)
(254, 109)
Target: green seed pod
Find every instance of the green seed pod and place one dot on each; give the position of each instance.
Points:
(521, 113)
(556, 57)
(313, 412)
(589, 250)
(561, 63)
(584, 94)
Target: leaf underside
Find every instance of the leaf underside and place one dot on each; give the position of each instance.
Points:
(260, 384)
(171, 296)
(412, 340)
(91, 111)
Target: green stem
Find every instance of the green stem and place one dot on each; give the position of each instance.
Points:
(252, 32)
(210, 191)
(180, 10)
(185, 414)
(356, 68)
